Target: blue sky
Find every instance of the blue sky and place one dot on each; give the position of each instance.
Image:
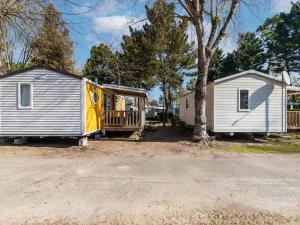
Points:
(106, 21)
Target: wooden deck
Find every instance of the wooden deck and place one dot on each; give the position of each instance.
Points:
(293, 120)
(124, 120)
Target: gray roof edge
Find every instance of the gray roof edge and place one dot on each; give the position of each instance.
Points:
(247, 72)
(124, 88)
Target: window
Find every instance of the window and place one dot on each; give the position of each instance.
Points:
(106, 102)
(187, 103)
(116, 102)
(95, 97)
(244, 100)
(24, 95)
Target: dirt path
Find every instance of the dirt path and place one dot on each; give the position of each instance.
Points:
(162, 180)
(117, 182)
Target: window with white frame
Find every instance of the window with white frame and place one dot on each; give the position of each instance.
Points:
(25, 96)
(244, 100)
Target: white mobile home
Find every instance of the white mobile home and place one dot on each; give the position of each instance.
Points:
(41, 101)
(249, 101)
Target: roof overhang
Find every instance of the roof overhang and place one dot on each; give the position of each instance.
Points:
(245, 73)
(124, 90)
(121, 90)
(293, 90)
(35, 67)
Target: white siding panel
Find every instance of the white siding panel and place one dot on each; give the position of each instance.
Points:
(56, 105)
(265, 113)
(188, 115)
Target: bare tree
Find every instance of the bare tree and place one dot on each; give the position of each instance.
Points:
(218, 14)
(18, 22)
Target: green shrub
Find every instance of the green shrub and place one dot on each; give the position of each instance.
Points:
(181, 124)
(174, 121)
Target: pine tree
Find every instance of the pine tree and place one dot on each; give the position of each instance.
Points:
(216, 65)
(53, 46)
(103, 64)
(249, 55)
(282, 40)
(190, 85)
(230, 65)
(173, 53)
(138, 59)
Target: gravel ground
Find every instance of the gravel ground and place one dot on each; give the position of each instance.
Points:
(150, 182)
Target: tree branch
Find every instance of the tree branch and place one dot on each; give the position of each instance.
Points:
(186, 8)
(214, 23)
(234, 5)
(183, 17)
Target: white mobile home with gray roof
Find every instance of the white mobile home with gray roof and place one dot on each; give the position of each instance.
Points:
(250, 101)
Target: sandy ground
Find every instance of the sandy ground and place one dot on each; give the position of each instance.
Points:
(150, 182)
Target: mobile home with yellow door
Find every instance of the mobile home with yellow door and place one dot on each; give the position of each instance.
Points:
(41, 101)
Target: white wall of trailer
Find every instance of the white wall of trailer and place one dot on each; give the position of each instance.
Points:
(188, 114)
(56, 109)
(267, 105)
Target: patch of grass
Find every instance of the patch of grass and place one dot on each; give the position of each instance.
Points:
(275, 148)
(292, 136)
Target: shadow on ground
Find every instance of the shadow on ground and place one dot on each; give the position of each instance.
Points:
(50, 142)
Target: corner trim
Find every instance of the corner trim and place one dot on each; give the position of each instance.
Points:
(83, 105)
(214, 107)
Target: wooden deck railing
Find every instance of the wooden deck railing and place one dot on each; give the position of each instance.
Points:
(293, 119)
(124, 119)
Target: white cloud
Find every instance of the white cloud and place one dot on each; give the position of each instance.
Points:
(115, 24)
(90, 37)
(110, 29)
(281, 5)
(109, 6)
(92, 9)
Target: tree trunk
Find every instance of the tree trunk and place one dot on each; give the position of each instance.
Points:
(166, 113)
(200, 132)
(169, 100)
(165, 106)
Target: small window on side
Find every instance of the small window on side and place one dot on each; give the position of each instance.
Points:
(187, 103)
(244, 100)
(25, 96)
(95, 97)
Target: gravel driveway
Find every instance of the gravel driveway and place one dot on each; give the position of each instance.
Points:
(79, 187)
